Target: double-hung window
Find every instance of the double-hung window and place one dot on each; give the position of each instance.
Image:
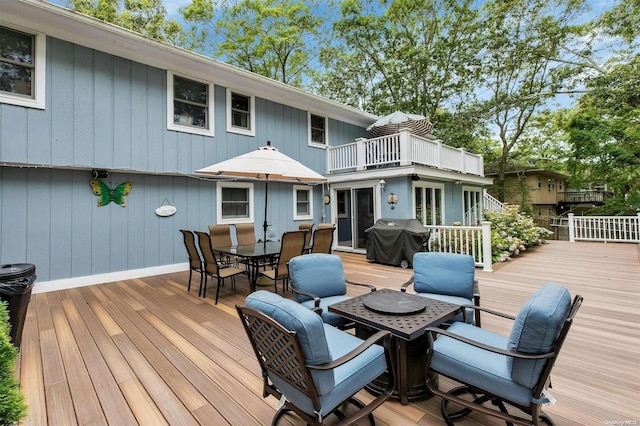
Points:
(234, 202)
(22, 67)
(190, 105)
(240, 113)
(317, 131)
(302, 202)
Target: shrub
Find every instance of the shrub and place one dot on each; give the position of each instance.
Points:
(12, 404)
(513, 232)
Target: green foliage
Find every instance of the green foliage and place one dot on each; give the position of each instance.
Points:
(513, 232)
(12, 404)
(604, 134)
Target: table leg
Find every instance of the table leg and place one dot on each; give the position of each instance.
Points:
(402, 375)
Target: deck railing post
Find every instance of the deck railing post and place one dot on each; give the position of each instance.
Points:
(572, 236)
(360, 153)
(405, 151)
(486, 246)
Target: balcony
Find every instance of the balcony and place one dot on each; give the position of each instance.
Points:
(580, 197)
(402, 149)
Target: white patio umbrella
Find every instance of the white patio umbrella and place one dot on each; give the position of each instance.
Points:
(394, 122)
(267, 164)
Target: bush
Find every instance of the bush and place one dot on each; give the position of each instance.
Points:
(513, 232)
(12, 404)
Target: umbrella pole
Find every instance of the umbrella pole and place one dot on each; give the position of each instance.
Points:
(266, 198)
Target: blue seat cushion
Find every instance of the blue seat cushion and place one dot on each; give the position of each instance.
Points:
(307, 325)
(329, 317)
(349, 378)
(444, 273)
(456, 300)
(536, 329)
(478, 367)
(319, 274)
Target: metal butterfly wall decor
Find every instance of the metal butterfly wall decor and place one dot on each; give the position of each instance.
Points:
(107, 195)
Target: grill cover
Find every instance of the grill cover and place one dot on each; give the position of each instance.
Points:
(392, 241)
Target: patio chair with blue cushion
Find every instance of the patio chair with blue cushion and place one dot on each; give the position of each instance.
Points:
(449, 277)
(313, 368)
(317, 281)
(504, 371)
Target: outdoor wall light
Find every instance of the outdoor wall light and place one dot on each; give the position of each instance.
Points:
(382, 184)
(392, 200)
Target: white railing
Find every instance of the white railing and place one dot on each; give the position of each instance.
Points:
(471, 240)
(604, 228)
(491, 203)
(402, 149)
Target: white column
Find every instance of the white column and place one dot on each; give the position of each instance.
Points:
(486, 246)
(572, 237)
(360, 153)
(405, 147)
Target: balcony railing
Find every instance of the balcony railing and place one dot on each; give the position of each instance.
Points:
(582, 197)
(402, 149)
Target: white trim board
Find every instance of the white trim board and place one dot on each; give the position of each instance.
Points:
(67, 283)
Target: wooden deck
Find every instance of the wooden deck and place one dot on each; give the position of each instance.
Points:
(145, 351)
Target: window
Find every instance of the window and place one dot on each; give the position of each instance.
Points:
(429, 203)
(317, 131)
(302, 202)
(240, 113)
(342, 204)
(539, 183)
(234, 202)
(190, 105)
(22, 68)
(472, 205)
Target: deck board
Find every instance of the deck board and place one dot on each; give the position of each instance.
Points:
(146, 351)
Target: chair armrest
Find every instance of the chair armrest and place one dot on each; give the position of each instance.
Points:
(354, 353)
(316, 299)
(369, 286)
(404, 286)
(433, 331)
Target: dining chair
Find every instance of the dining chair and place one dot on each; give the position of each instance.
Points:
(509, 371)
(307, 226)
(195, 261)
(292, 245)
(326, 225)
(322, 240)
(449, 277)
(245, 233)
(221, 237)
(212, 267)
(317, 281)
(311, 367)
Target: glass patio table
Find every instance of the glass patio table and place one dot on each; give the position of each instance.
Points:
(406, 316)
(254, 255)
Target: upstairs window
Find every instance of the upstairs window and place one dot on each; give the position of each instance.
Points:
(317, 131)
(22, 68)
(240, 113)
(190, 105)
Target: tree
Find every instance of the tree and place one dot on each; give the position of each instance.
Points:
(273, 38)
(413, 55)
(604, 134)
(147, 17)
(519, 76)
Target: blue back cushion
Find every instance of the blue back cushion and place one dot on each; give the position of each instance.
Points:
(319, 274)
(444, 273)
(308, 326)
(536, 329)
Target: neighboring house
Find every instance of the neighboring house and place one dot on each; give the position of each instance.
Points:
(538, 191)
(80, 97)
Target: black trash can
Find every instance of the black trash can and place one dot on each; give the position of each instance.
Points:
(16, 283)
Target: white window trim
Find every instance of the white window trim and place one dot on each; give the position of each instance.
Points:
(430, 185)
(326, 131)
(210, 101)
(38, 100)
(251, 131)
(219, 186)
(297, 188)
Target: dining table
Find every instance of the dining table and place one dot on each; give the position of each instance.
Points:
(254, 256)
